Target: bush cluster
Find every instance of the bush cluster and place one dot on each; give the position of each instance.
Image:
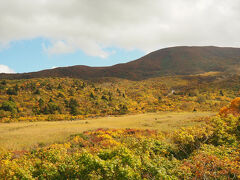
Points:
(209, 151)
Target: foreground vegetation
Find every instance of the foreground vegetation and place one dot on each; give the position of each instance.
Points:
(54, 99)
(208, 151)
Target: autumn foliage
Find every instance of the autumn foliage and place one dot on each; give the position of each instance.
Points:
(233, 108)
(208, 151)
(50, 99)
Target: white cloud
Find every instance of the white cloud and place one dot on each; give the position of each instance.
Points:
(137, 24)
(5, 69)
(59, 47)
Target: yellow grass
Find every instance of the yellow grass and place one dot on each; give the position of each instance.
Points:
(210, 73)
(27, 135)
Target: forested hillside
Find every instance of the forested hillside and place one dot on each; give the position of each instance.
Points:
(68, 99)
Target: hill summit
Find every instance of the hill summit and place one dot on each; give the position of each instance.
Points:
(181, 60)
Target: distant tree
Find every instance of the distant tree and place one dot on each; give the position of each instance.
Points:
(92, 96)
(32, 86)
(83, 85)
(159, 99)
(9, 106)
(45, 110)
(104, 98)
(4, 82)
(66, 103)
(11, 99)
(221, 93)
(53, 108)
(50, 108)
(37, 92)
(49, 87)
(74, 111)
(60, 95)
(41, 102)
(2, 87)
(59, 86)
(16, 88)
(123, 109)
(12, 91)
(71, 92)
(73, 105)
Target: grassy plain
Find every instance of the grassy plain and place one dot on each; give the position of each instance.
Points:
(27, 135)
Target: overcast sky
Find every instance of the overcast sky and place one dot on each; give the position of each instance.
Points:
(100, 32)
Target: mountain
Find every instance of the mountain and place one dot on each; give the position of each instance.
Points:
(181, 60)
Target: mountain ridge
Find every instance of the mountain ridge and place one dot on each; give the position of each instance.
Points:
(179, 60)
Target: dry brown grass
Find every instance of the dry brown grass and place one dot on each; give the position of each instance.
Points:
(27, 135)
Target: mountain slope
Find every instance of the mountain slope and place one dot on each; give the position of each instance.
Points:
(180, 60)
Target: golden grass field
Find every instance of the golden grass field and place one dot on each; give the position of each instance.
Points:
(27, 135)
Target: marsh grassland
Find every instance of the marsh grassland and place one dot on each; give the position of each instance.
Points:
(27, 135)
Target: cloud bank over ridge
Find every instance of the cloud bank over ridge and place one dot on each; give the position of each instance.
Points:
(92, 26)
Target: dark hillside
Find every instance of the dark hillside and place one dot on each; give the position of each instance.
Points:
(169, 61)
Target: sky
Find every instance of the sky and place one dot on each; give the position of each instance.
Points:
(44, 34)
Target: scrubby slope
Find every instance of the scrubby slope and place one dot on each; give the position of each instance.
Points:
(67, 98)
